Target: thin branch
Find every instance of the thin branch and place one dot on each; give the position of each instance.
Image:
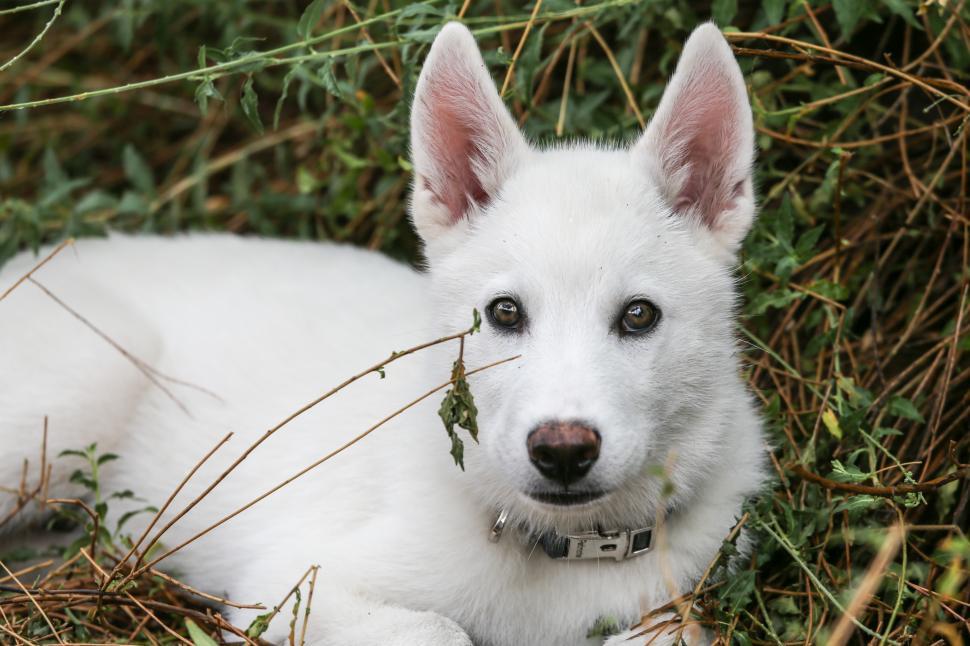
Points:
(630, 99)
(375, 368)
(27, 7)
(37, 39)
(518, 49)
(165, 506)
(312, 466)
(268, 58)
(43, 262)
(141, 365)
(851, 58)
(885, 492)
(33, 600)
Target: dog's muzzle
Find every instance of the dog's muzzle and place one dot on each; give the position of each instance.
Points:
(618, 545)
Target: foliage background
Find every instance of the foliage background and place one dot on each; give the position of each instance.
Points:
(289, 118)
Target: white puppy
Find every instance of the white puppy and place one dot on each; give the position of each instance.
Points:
(615, 452)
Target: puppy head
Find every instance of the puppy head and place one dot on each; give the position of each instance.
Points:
(607, 269)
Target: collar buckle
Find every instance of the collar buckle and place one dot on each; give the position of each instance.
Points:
(619, 545)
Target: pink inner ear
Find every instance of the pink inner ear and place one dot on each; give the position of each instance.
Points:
(458, 131)
(453, 149)
(701, 138)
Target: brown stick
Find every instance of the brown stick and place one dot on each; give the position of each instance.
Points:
(309, 468)
(33, 600)
(843, 58)
(164, 508)
(30, 273)
(378, 367)
(141, 365)
(885, 492)
(518, 49)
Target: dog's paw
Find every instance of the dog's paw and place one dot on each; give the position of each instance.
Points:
(660, 630)
(427, 629)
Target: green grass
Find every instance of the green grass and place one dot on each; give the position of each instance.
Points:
(258, 117)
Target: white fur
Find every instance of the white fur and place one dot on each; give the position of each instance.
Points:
(400, 533)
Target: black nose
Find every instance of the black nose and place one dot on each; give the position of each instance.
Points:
(563, 451)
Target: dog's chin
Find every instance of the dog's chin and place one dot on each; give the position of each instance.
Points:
(567, 500)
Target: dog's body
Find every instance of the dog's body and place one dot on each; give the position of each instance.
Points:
(572, 238)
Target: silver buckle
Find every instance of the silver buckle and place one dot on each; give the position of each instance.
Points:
(495, 533)
(615, 544)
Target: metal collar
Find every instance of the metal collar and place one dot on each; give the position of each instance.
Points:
(619, 544)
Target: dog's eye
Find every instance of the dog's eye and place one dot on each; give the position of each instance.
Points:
(505, 312)
(639, 317)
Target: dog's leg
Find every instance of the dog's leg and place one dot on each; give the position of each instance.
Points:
(53, 366)
(340, 618)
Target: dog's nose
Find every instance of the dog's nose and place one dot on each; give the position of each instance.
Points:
(563, 451)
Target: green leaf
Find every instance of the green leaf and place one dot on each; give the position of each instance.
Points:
(858, 395)
(422, 35)
(416, 9)
(831, 423)
(458, 450)
(107, 457)
(774, 10)
(902, 407)
(859, 503)
(79, 477)
(96, 200)
(128, 515)
(296, 69)
(807, 241)
(785, 224)
(296, 611)
(310, 18)
(199, 636)
(902, 9)
(785, 605)
(117, 585)
(75, 547)
(260, 624)
(205, 91)
(723, 11)
(306, 183)
(250, 105)
(327, 77)
(132, 203)
(81, 632)
(848, 13)
(458, 409)
(603, 627)
(529, 62)
(54, 174)
(774, 299)
(847, 473)
(834, 291)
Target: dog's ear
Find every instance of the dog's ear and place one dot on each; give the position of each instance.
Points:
(464, 143)
(699, 146)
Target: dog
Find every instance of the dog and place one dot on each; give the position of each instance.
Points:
(617, 441)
